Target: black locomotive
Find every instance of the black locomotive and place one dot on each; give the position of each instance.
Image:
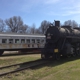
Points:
(61, 41)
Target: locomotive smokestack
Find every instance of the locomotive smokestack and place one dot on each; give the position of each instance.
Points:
(57, 23)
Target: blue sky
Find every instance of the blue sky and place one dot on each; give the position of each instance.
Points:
(35, 11)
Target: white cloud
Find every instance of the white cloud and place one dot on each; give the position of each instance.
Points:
(27, 5)
(74, 9)
(52, 7)
(68, 13)
(65, 8)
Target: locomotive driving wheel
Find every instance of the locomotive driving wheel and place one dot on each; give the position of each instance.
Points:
(77, 51)
(73, 52)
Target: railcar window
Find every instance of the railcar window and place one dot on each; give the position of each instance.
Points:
(42, 41)
(10, 40)
(33, 40)
(28, 40)
(22, 40)
(4, 40)
(16, 40)
(38, 40)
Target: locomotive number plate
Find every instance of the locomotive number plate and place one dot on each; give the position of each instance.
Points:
(55, 50)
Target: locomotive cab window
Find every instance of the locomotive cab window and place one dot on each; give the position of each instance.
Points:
(10, 40)
(4, 40)
(22, 40)
(16, 40)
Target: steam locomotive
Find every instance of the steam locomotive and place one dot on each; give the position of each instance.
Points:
(61, 41)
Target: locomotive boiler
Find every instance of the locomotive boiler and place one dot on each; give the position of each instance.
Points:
(61, 41)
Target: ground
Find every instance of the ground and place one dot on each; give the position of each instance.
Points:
(64, 69)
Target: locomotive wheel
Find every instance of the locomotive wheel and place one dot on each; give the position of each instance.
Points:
(78, 52)
(57, 56)
(73, 52)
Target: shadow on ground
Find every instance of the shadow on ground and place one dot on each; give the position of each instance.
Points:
(53, 63)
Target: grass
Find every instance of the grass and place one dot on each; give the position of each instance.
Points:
(65, 69)
(17, 59)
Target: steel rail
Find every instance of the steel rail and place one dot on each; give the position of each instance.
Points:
(36, 63)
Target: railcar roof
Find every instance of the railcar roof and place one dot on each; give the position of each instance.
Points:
(19, 35)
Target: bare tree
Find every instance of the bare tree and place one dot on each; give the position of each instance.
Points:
(44, 25)
(33, 29)
(72, 23)
(37, 31)
(15, 24)
(2, 26)
(23, 29)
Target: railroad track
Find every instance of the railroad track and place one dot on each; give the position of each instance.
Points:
(26, 65)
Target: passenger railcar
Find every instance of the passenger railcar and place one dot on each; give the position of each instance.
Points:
(14, 41)
(61, 41)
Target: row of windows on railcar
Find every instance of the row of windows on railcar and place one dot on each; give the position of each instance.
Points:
(22, 41)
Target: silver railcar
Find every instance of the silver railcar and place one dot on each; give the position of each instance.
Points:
(14, 41)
